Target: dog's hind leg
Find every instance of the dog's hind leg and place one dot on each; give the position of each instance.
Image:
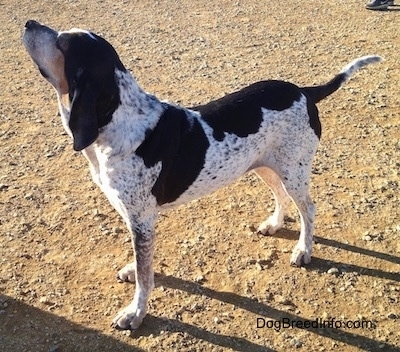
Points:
(282, 201)
(301, 253)
(296, 181)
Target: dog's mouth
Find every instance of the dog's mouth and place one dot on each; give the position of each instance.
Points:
(41, 43)
(32, 25)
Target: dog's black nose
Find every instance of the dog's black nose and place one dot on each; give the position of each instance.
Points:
(31, 24)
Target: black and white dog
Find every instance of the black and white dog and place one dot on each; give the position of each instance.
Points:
(146, 154)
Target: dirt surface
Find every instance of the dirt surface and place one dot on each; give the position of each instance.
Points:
(62, 243)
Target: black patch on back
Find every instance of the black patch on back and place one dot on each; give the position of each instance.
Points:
(240, 113)
(180, 145)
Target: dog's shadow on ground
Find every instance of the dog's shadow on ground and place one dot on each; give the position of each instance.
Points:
(26, 328)
(31, 326)
(155, 325)
(322, 265)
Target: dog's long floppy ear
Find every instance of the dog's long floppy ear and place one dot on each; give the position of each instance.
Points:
(83, 120)
(90, 65)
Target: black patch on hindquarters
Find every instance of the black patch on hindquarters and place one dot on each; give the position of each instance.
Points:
(240, 113)
(313, 114)
(315, 123)
(180, 144)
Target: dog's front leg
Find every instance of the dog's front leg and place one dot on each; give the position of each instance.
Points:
(131, 316)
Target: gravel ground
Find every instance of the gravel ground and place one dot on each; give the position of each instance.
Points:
(217, 280)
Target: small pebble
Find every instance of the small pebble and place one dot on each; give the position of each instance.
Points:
(199, 278)
(43, 299)
(333, 270)
(3, 187)
(295, 342)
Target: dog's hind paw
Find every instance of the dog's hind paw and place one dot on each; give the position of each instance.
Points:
(269, 226)
(127, 273)
(300, 256)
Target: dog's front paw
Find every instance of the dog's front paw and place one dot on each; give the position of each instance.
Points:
(129, 318)
(300, 256)
(269, 226)
(127, 273)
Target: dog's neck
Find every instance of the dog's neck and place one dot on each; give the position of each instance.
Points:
(137, 113)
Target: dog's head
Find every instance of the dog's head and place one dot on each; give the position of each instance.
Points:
(81, 67)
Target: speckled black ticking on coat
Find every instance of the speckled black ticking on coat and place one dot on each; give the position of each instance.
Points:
(240, 113)
(180, 145)
(180, 152)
